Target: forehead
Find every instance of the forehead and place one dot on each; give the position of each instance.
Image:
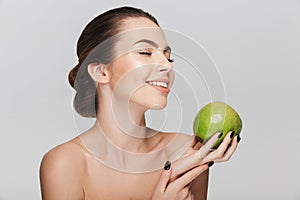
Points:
(136, 29)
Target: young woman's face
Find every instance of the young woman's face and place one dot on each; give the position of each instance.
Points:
(142, 72)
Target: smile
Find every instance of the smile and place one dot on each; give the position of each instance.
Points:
(154, 83)
(162, 86)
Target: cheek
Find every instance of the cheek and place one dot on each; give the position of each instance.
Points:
(127, 79)
(116, 73)
(128, 66)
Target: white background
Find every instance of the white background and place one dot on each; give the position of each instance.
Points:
(254, 43)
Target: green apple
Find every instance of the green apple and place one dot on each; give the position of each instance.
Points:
(216, 117)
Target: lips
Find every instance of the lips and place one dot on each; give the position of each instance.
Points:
(161, 85)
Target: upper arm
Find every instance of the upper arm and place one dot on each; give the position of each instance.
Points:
(60, 175)
(200, 186)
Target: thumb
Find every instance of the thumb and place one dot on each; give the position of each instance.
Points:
(164, 177)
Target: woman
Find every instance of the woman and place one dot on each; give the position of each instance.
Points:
(125, 69)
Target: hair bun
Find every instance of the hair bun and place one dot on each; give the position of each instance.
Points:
(72, 75)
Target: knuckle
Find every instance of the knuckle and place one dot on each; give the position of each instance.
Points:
(226, 159)
(218, 154)
(199, 155)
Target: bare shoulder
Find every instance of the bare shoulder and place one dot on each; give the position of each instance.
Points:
(64, 155)
(62, 171)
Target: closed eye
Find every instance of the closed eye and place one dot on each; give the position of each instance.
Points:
(145, 53)
(149, 53)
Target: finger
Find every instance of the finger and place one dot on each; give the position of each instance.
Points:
(198, 146)
(226, 142)
(218, 154)
(188, 177)
(186, 163)
(194, 142)
(230, 150)
(183, 165)
(205, 149)
(164, 178)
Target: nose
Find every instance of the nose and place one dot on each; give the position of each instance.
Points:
(164, 65)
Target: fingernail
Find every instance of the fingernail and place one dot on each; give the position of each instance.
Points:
(220, 135)
(198, 139)
(211, 163)
(239, 138)
(167, 165)
(232, 134)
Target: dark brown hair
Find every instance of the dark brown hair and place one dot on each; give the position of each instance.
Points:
(89, 50)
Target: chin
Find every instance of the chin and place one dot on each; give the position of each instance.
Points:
(158, 105)
(150, 102)
(153, 105)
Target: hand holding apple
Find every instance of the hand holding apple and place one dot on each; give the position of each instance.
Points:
(216, 117)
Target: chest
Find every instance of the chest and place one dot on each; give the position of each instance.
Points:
(103, 182)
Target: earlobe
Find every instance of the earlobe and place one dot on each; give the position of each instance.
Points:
(98, 72)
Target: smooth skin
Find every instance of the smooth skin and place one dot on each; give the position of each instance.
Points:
(70, 172)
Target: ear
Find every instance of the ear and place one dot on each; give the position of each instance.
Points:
(99, 73)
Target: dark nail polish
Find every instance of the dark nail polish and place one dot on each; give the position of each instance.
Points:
(167, 165)
(220, 135)
(232, 134)
(198, 139)
(211, 163)
(239, 138)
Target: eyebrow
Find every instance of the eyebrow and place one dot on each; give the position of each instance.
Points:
(167, 48)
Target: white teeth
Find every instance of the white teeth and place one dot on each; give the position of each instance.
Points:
(162, 84)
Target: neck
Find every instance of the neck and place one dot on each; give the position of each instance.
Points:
(124, 125)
